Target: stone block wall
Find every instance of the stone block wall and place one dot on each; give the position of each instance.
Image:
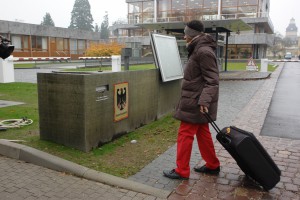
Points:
(71, 113)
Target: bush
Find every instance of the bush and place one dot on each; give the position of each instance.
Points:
(104, 49)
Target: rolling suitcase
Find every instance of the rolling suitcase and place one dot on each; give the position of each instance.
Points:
(249, 154)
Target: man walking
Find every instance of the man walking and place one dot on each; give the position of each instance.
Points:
(199, 94)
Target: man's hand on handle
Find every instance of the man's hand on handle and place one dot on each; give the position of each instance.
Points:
(203, 109)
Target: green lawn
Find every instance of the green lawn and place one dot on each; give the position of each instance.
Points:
(242, 66)
(119, 157)
(108, 68)
(230, 67)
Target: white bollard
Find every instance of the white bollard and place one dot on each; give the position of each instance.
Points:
(264, 65)
(116, 63)
(7, 73)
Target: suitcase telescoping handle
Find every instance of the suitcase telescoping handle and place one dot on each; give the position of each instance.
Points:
(211, 121)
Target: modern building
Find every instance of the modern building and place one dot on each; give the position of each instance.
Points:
(245, 23)
(32, 40)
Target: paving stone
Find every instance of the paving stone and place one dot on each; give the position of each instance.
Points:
(223, 181)
(291, 187)
(211, 193)
(150, 198)
(289, 195)
(296, 181)
(176, 196)
(126, 198)
(183, 189)
(41, 183)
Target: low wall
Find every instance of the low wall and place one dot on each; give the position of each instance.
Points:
(77, 109)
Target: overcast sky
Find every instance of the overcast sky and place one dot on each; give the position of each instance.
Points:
(33, 11)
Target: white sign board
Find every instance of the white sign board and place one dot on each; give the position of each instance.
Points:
(167, 58)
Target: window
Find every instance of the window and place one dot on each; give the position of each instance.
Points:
(245, 51)
(59, 44)
(66, 44)
(194, 4)
(210, 4)
(148, 6)
(248, 11)
(17, 42)
(39, 43)
(25, 42)
(210, 9)
(135, 7)
(239, 8)
(248, 2)
(231, 3)
(148, 17)
(81, 46)
(148, 12)
(178, 5)
(247, 8)
(164, 10)
(135, 12)
(73, 46)
(164, 5)
(239, 51)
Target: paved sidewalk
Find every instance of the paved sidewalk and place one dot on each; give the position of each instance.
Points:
(20, 180)
(234, 96)
(231, 183)
(247, 111)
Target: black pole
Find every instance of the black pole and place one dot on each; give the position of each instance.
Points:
(126, 63)
(217, 38)
(226, 50)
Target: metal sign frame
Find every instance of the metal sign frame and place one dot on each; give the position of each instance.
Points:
(166, 56)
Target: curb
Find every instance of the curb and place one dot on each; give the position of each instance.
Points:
(245, 79)
(37, 157)
(266, 76)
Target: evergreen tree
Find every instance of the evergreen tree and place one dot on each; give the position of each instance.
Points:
(47, 20)
(119, 21)
(81, 17)
(97, 28)
(104, 32)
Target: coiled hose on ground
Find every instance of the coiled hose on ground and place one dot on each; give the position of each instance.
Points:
(14, 123)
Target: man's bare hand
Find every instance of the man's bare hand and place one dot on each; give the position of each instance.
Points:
(203, 109)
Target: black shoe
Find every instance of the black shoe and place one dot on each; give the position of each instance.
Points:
(206, 170)
(173, 175)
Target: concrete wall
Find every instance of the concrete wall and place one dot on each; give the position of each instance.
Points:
(252, 38)
(70, 115)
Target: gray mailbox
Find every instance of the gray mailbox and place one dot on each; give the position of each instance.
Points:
(126, 53)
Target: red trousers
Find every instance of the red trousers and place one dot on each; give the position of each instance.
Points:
(185, 143)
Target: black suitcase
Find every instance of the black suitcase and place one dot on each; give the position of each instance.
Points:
(249, 154)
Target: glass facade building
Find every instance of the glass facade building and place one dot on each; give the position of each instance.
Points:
(174, 10)
(242, 44)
